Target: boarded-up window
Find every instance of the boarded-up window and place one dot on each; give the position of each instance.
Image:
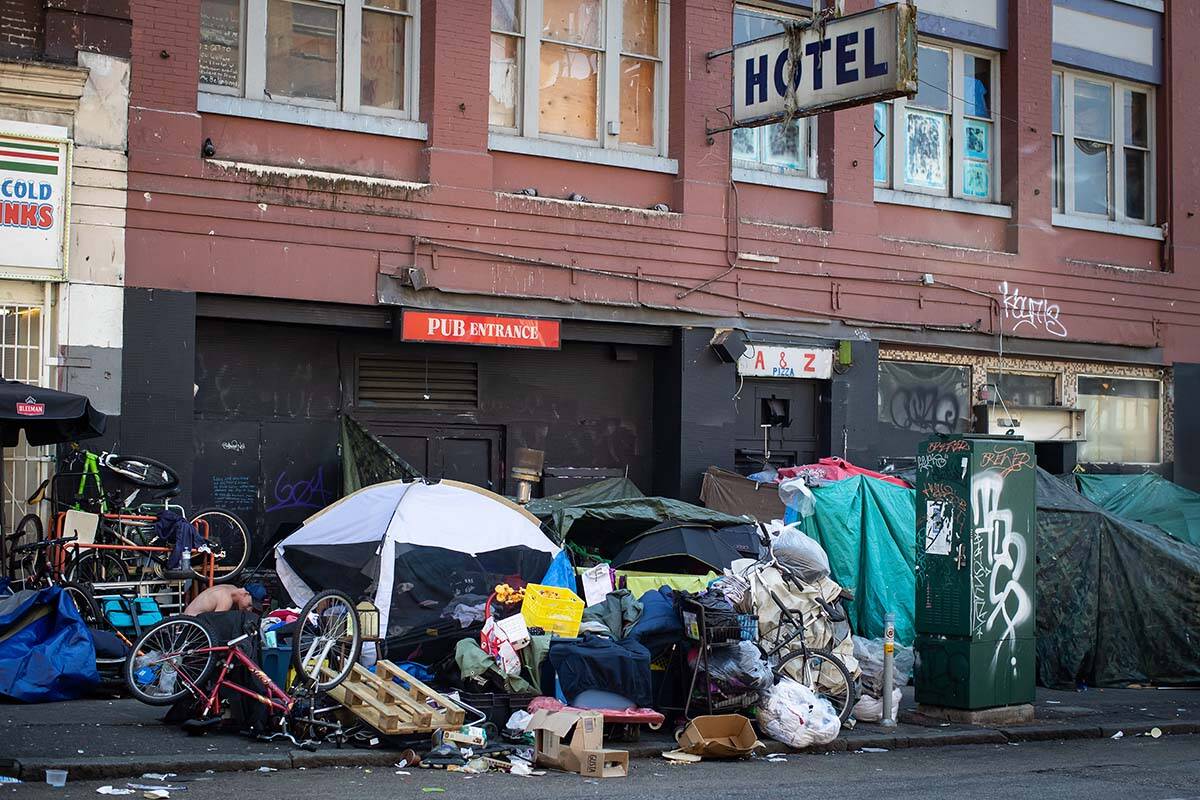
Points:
(924, 398)
(388, 382)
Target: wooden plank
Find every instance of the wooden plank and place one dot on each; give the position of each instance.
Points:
(449, 714)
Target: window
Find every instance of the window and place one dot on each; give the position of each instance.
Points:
(584, 71)
(1123, 418)
(1018, 389)
(924, 398)
(943, 141)
(352, 55)
(1103, 134)
(781, 147)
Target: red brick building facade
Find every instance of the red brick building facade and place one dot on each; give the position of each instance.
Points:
(288, 234)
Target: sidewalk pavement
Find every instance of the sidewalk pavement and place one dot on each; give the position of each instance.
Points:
(124, 738)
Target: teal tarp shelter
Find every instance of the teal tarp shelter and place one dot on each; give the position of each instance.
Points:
(867, 527)
(1147, 498)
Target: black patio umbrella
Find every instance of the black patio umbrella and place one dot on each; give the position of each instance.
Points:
(47, 416)
(677, 548)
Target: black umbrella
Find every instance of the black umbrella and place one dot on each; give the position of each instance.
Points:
(677, 548)
(47, 416)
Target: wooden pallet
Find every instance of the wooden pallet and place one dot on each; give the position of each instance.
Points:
(391, 709)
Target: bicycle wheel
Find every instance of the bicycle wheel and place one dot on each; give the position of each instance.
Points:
(327, 639)
(164, 663)
(85, 601)
(231, 537)
(98, 567)
(142, 471)
(825, 674)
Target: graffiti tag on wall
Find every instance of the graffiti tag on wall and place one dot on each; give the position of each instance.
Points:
(1039, 314)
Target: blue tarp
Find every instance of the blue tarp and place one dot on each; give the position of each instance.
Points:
(46, 650)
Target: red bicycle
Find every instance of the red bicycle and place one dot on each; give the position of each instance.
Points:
(176, 658)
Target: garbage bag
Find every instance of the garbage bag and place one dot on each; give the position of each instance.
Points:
(798, 551)
(869, 653)
(795, 715)
(796, 495)
(560, 573)
(870, 709)
(738, 668)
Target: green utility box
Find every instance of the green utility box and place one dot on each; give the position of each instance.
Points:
(976, 541)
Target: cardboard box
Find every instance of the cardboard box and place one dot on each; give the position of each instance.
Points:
(561, 738)
(605, 764)
(719, 736)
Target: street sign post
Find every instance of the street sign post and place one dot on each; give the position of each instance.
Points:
(825, 64)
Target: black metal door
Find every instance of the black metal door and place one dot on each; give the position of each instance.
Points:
(467, 453)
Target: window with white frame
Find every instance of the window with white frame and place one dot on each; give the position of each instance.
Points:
(346, 55)
(1103, 137)
(583, 71)
(779, 147)
(943, 141)
(1123, 420)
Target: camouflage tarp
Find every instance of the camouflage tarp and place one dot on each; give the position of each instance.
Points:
(1118, 602)
(366, 460)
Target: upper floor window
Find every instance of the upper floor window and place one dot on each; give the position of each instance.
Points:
(585, 71)
(1103, 136)
(944, 140)
(780, 147)
(346, 55)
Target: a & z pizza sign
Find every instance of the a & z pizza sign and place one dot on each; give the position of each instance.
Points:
(769, 361)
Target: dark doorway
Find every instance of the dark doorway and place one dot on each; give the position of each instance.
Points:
(467, 453)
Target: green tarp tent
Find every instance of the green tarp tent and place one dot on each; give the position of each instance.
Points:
(1147, 498)
(1118, 601)
(544, 508)
(867, 529)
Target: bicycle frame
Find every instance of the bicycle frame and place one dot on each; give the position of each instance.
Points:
(275, 699)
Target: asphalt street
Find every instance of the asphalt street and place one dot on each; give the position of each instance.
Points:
(1132, 767)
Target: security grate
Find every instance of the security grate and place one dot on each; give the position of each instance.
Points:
(386, 382)
(21, 358)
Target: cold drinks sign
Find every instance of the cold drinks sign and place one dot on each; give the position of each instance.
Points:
(34, 175)
(835, 63)
(448, 327)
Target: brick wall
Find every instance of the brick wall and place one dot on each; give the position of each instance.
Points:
(21, 28)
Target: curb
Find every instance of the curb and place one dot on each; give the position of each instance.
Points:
(32, 769)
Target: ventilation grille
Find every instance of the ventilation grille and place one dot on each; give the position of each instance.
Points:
(387, 382)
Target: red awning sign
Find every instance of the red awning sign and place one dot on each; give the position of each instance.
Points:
(448, 327)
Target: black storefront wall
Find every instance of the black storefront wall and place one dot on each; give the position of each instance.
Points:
(706, 416)
(265, 431)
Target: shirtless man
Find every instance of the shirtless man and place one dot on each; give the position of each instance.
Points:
(221, 598)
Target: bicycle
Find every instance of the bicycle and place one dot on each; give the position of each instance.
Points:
(126, 523)
(816, 668)
(38, 570)
(176, 658)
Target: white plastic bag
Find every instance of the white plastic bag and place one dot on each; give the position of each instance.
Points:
(870, 709)
(796, 495)
(800, 552)
(794, 714)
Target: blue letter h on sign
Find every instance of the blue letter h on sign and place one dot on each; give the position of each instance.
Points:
(756, 79)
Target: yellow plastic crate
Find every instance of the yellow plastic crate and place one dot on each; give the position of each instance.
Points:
(553, 609)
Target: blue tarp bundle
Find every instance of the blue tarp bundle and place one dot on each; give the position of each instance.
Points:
(46, 650)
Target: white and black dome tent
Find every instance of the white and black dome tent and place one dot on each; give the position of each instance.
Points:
(413, 548)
